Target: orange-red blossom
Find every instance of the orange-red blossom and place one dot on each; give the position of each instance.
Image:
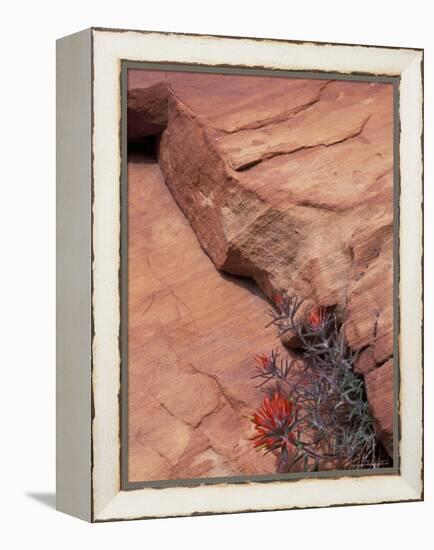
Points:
(273, 422)
(317, 317)
(278, 300)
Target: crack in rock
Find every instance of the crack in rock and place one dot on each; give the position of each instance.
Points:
(268, 156)
(286, 115)
(235, 404)
(286, 225)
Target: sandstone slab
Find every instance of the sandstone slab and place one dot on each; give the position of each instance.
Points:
(380, 393)
(288, 182)
(193, 334)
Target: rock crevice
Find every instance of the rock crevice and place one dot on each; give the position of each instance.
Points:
(288, 182)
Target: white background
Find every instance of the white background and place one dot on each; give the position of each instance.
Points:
(27, 229)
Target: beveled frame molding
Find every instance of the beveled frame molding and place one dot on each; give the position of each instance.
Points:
(93, 491)
(206, 69)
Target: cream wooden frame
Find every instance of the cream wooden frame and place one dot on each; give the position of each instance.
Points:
(89, 89)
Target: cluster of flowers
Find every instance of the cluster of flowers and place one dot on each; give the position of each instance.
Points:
(315, 407)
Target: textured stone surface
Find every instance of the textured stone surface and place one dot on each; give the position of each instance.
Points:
(147, 111)
(380, 393)
(225, 103)
(193, 334)
(288, 182)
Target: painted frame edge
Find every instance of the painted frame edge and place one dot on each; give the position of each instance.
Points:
(409, 486)
(257, 39)
(82, 125)
(73, 274)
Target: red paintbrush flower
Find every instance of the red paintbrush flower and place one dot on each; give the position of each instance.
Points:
(278, 300)
(282, 303)
(273, 423)
(317, 317)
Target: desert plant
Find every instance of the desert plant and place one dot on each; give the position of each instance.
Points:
(315, 409)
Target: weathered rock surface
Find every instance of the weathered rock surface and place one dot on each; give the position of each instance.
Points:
(147, 111)
(379, 385)
(289, 182)
(193, 334)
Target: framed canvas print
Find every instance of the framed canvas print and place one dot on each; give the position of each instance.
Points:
(239, 274)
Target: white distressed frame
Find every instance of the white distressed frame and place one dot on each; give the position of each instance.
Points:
(109, 48)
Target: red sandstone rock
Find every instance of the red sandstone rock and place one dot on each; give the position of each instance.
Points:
(288, 182)
(228, 103)
(147, 111)
(276, 222)
(193, 335)
(365, 362)
(379, 386)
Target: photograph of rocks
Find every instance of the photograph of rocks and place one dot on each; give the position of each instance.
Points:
(260, 219)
